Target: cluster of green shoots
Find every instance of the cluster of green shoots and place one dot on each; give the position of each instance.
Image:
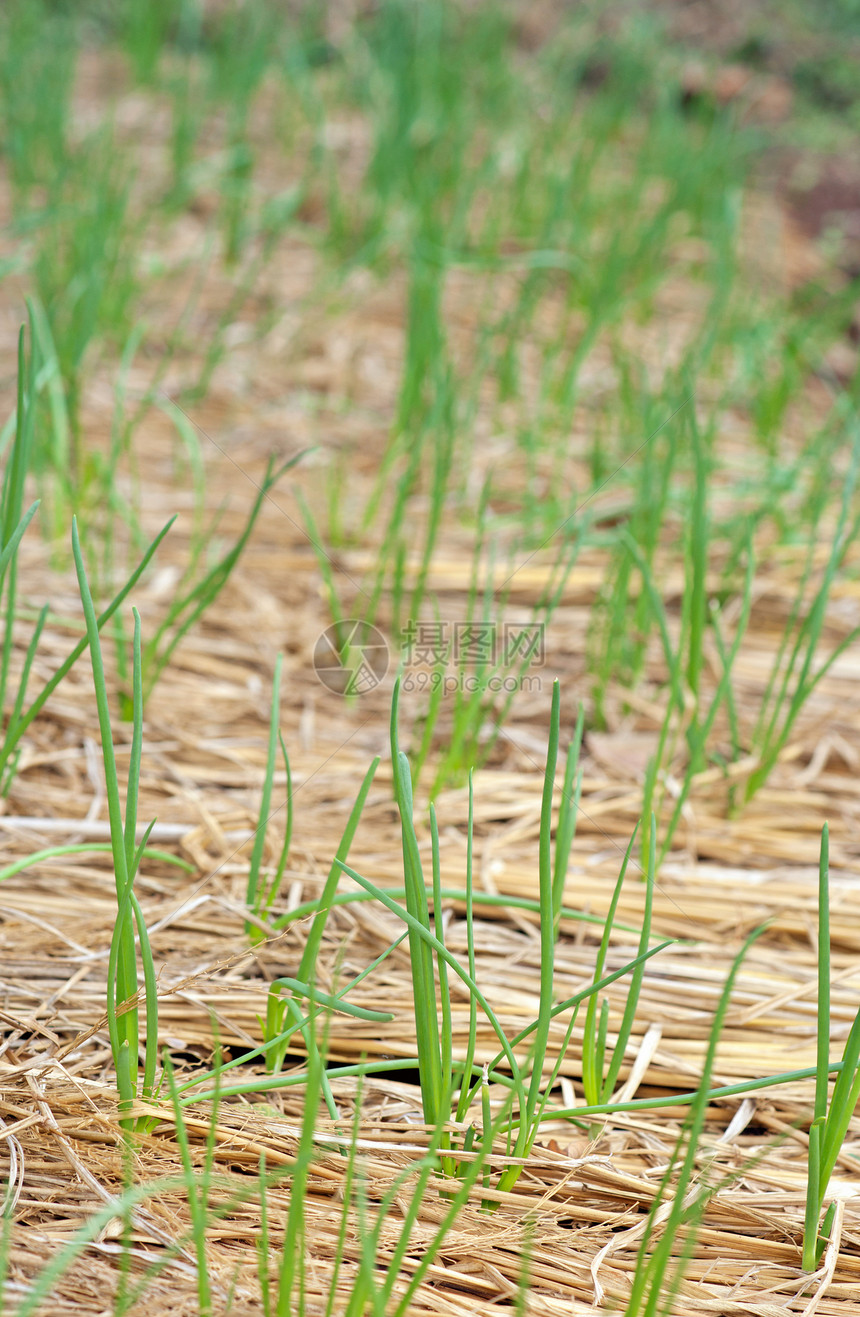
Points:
(586, 248)
(477, 1144)
(455, 1092)
(692, 711)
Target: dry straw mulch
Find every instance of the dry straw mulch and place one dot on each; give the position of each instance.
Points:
(583, 1201)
